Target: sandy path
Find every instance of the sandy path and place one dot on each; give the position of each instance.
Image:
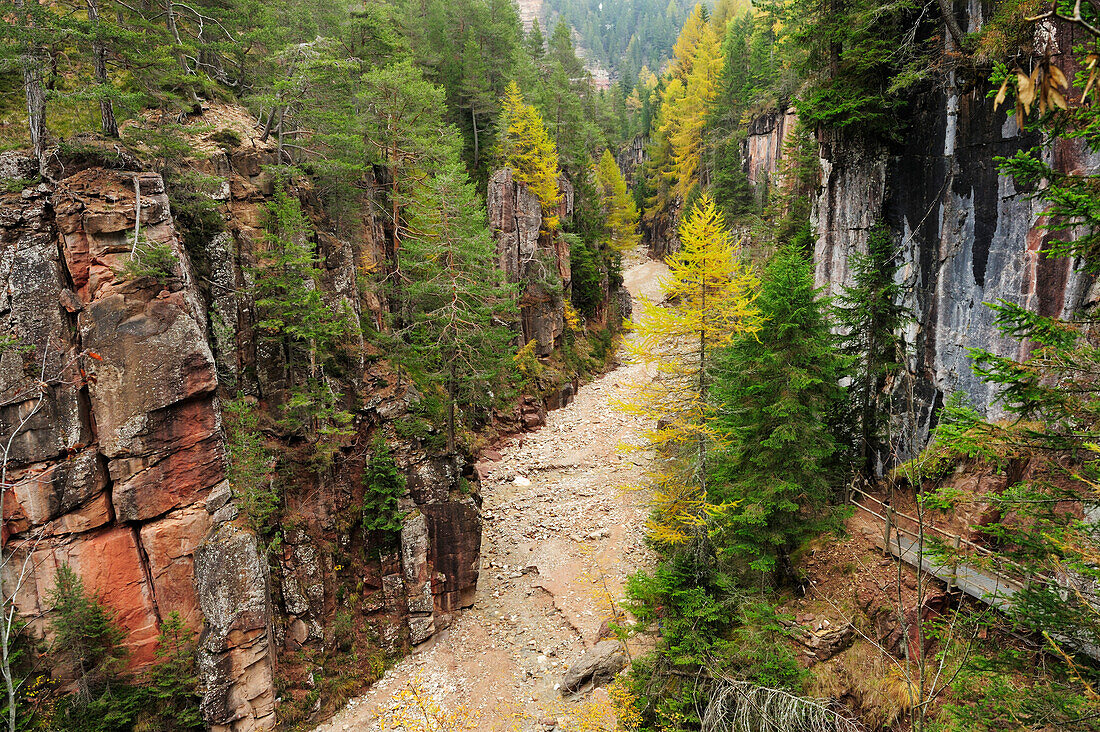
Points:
(560, 539)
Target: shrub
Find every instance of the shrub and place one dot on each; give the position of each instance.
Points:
(384, 486)
(150, 259)
(250, 465)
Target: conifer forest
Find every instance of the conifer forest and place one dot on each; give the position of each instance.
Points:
(550, 365)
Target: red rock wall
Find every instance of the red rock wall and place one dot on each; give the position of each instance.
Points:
(121, 471)
(113, 474)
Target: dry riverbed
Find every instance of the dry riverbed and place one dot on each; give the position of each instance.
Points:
(562, 533)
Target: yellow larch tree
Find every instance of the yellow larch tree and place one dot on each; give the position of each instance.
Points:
(618, 205)
(686, 116)
(683, 52)
(529, 151)
(710, 291)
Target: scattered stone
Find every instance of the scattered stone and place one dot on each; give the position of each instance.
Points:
(597, 666)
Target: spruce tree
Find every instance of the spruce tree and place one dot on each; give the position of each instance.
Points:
(870, 318)
(457, 337)
(85, 635)
(172, 679)
(773, 393)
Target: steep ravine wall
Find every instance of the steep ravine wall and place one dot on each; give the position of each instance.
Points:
(965, 235)
(122, 472)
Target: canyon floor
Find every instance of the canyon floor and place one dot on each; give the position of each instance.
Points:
(564, 525)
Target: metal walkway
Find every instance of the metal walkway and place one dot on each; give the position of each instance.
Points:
(984, 584)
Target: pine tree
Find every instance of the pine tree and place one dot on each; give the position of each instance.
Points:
(476, 94)
(86, 636)
(870, 318)
(535, 42)
(172, 680)
(711, 292)
(773, 394)
(402, 122)
(527, 149)
(457, 337)
(620, 211)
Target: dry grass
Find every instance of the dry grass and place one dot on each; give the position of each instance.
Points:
(871, 683)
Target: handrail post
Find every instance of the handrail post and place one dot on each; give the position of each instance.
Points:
(889, 521)
(952, 583)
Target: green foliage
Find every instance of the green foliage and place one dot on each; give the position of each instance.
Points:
(773, 392)
(251, 464)
(993, 693)
(1072, 206)
(759, 649)
(691, 606)
(859, 56)
(121, 707)
(731, 185)
(172, 682)
(197, 216)
(961, 434)
(227, 139)
(384, 485)
(588, 279)
(16, 185)
(151, 259)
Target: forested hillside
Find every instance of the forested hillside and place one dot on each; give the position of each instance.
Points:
(290, 288)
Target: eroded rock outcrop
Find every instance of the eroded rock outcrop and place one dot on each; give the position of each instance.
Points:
(113, 472)
(535, 259)
(121, 470)
(965, 234)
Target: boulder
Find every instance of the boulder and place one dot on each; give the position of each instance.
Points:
(597, 667)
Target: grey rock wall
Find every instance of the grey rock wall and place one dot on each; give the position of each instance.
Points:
(965, 234)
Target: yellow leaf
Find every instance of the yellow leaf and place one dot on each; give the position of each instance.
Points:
(1090, 61)
(1057, 100)
(1001, 94)
(1088, 86)
(1025, 89)
(1058, 76)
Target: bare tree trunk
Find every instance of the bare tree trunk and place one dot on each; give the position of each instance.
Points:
(953, 27)
(106, 107)
(32, 63)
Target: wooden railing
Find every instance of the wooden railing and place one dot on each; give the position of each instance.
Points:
(993, 587)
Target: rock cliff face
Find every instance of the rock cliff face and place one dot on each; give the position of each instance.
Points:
(531, 257)
(120, 471)
(762, 149)
(965, 234)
